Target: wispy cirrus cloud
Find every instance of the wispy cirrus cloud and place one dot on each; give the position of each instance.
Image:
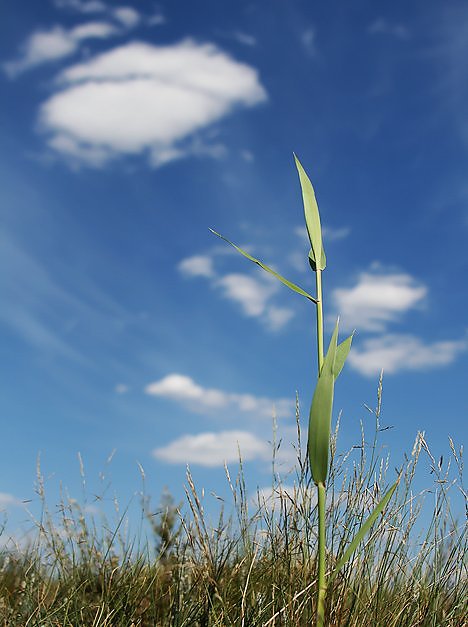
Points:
(382, 26)
(185, 391)
(165, 96)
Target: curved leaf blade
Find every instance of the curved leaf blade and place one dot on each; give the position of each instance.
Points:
(312, 218)
(321, 413)
(292, 286)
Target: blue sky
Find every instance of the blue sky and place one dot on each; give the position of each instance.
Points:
(128, 131)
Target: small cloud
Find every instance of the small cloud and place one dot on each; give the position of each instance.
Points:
(382, 26)
(247, 156)
(331, 234)
(377, 299)
(82, 6)
(198, 265)
(251, 294)
(166, 95)
(278, 317)
(245, 39)
(156, 20)
(8, 500)
(121, 388)
(214, 449)
(308, 39)
(127, 16)
(397, 353)
(56, 43)
(186, 391)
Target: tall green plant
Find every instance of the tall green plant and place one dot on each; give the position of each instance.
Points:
(329, 367)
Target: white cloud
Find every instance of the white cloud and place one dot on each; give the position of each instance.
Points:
(186, 391)
(121, 388)
(308, 41)
(332, 235)
(156, 20)
(128, 16)
(198, 265)
(395, 353)
(247, 155)
(56, 43)
(384, 27)
(254, 298)
(329, 233)
(8, 500)
(214, 449)
(251, 294)
(82, 6)
(376, 300)
(245, 39)
(143, 98)
(278, 317)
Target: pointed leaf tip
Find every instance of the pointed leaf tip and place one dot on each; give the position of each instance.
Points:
(317, 257)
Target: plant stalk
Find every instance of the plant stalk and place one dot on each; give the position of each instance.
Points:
(318, 282)
(322, 584)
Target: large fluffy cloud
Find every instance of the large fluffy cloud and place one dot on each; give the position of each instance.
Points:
(143, 98)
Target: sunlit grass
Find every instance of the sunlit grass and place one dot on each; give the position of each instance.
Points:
(255, 562)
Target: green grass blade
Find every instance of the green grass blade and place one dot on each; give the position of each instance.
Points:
(292, 286)
(312, 218)
(342, 351)
(364, 529)
(320, 415)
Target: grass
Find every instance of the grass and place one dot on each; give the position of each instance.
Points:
(256, 564)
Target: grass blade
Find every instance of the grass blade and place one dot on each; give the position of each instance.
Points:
(292, 286)
(312, 218)
(364, 529)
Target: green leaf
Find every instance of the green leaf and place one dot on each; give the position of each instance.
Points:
(312, 217)
(364, 529)
(321, 413)
(292, 286)
(342, 351)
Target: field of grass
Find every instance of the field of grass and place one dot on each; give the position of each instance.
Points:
(257, 564)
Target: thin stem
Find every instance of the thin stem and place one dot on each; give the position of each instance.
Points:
(322, 584)
(318, 281)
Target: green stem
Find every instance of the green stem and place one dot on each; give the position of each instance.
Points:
(318, 281)
(322, 584)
